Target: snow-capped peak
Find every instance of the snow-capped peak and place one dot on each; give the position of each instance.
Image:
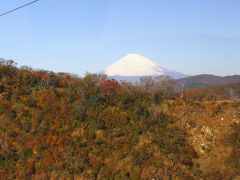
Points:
(135, 65)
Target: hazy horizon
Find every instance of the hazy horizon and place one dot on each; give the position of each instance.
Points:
(87, 36)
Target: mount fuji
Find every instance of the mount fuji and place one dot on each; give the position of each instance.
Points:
(134, 66)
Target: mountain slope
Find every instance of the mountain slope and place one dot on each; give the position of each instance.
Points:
(133, 66)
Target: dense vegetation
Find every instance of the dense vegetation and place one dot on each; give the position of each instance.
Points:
(60, 126)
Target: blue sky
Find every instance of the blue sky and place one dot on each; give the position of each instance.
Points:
(190, 36)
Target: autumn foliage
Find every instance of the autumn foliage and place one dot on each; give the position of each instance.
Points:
(60, 126)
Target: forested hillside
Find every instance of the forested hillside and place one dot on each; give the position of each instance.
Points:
(60, 126)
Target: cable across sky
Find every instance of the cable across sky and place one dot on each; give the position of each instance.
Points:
(20, 7)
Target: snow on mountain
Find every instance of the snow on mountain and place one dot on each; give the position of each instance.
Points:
(133, 66)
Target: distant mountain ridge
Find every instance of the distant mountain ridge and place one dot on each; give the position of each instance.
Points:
(133, 67)
(207, 80)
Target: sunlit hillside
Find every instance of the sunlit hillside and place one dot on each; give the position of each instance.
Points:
(59, 126)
